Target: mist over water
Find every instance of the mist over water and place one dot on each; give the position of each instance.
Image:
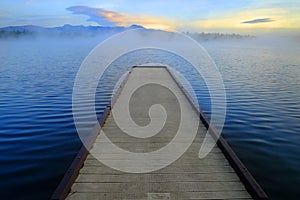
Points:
(38, 139)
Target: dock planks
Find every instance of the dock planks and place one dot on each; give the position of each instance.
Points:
(187, 178)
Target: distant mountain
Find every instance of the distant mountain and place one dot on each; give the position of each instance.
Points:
(66, 30)
(70, 31)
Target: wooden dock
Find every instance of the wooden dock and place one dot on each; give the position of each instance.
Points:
(220, 175)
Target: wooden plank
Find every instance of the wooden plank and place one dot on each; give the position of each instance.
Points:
(153, 178)
(234, 195)
(158, 187)
(169, 170)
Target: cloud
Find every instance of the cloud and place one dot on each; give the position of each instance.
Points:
(111, 18)
(277, 18)
(260, 20)
(101, 16)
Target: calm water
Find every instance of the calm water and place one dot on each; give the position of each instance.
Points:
(38, 138)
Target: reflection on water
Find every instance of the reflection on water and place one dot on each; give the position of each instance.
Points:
(38, 138)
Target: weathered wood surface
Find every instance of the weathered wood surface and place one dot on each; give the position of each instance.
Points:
(187, 178)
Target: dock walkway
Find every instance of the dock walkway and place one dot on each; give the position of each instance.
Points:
(189, 177)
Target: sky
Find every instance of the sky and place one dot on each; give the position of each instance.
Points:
(179, 15)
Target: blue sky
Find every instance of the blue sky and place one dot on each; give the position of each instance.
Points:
(162, 14)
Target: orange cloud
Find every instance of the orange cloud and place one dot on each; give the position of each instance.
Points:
(106, 17)
(146, 21)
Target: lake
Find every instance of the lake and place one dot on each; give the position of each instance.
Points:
(38, 138)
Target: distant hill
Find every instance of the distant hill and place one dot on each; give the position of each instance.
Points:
(63, 31)
(217, 36)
